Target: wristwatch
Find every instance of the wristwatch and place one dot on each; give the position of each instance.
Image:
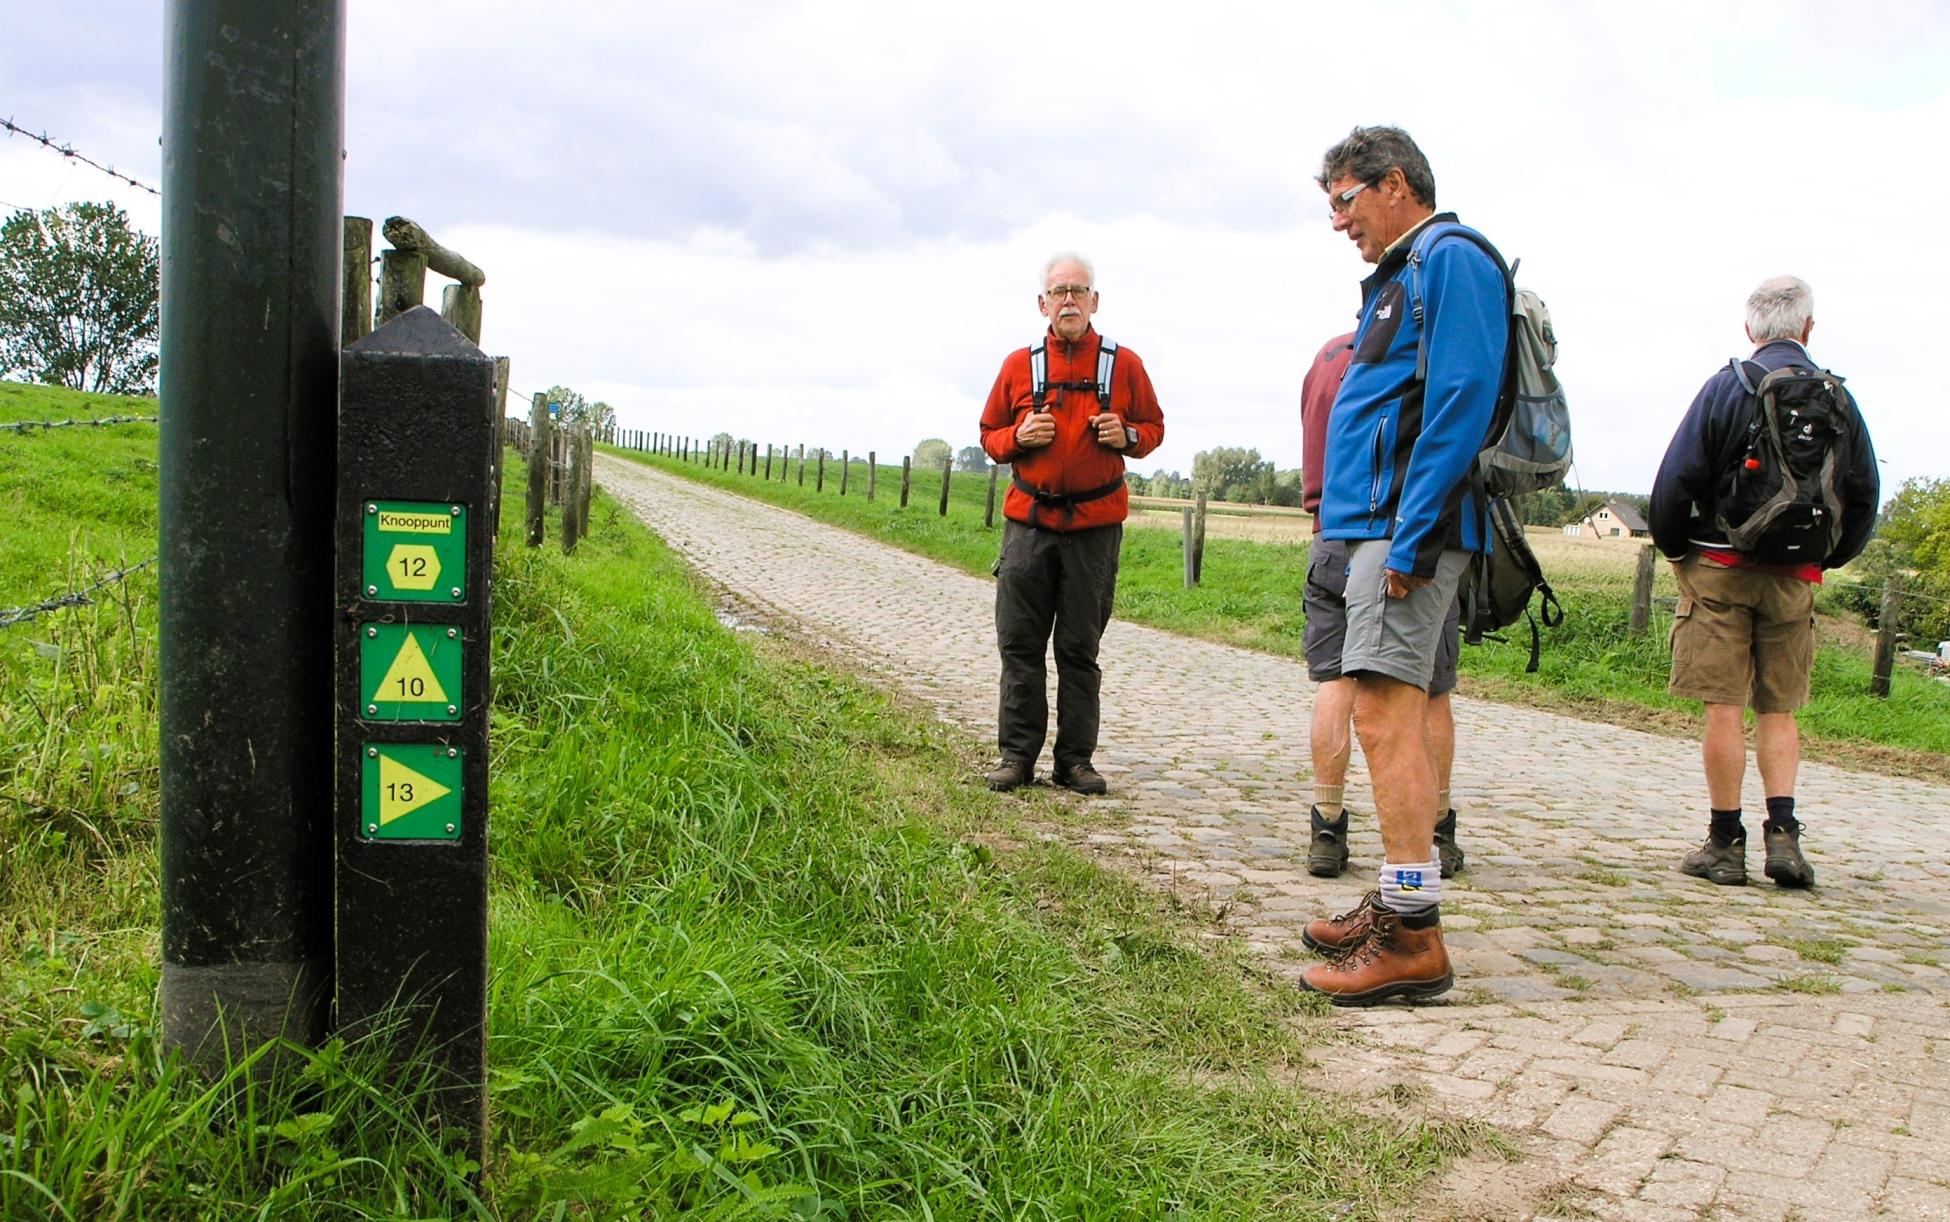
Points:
(1130, 436)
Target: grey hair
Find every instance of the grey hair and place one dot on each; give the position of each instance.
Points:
(1066, 256)
(1369, 153)
(1780, 309)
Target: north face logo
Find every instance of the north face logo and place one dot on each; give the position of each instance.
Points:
(1385, 312)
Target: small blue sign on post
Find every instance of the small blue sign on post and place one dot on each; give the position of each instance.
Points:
(554, 409)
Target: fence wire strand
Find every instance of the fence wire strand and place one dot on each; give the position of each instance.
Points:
(69, 151)
(9, 616)
(28, 426)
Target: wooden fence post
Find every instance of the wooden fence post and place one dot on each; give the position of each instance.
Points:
(846, 467)
(572, 500)
(768, 462)
(819, 480)
(355, 317)
(988, 515)
(537, 467)
(588, 480)
(1892, 593)
(460, 304)
(1198, 540)
(802, 464)
(556, 457)
(402, 283)
(947, 468)
(907, 477)
(1642, 590)
(1191, 578)
(873, 472)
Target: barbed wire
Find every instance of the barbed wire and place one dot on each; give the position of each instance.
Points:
(69, 151)
(28, 426)
(10, 616)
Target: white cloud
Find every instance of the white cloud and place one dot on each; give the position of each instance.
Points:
(821, 222)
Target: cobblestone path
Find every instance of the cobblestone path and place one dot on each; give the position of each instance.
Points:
(1658, 1047)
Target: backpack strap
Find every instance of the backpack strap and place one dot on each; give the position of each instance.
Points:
(1106, 365)
(1419, 253)
(1749, 373)
(1040, 385)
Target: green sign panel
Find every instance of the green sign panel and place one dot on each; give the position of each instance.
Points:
(410, 791)
(409, 672)
(415, 551)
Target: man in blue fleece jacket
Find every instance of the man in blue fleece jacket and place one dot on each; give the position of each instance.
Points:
(1743, 631)
(1412, 412)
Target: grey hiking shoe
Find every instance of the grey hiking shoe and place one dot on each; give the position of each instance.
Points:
(1446, 848)
(1725, 864)
(1785, 864)
(1327, 855)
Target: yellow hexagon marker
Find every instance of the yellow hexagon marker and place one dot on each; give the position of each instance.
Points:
(413, 566)
(403, 791)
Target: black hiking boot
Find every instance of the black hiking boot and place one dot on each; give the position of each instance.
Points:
(1327, 855)
(1725, 864)
(1785, 864)
(1446, 848)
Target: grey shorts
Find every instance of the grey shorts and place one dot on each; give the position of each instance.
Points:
(1413, 639)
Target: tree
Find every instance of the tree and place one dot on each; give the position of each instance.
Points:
(971, 458)
(78, 299)
(930, 454)
(1232, 473)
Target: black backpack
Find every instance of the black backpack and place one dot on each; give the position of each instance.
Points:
(1496, 588)
(1779, 499)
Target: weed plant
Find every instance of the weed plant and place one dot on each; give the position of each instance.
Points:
(750, 957)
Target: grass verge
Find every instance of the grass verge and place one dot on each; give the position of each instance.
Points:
(750, 958)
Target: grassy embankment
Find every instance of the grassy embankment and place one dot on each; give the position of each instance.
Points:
(1250, 595)
(749, 957)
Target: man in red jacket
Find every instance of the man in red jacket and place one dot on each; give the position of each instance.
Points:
(1065, 413)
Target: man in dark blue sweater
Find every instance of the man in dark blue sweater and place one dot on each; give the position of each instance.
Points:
(1743, 630)
(1412, 412)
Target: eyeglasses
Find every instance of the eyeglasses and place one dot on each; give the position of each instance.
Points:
(1339, 202)
(1057, 292)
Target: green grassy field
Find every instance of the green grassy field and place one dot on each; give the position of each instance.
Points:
(749, 956)
(1251, 589)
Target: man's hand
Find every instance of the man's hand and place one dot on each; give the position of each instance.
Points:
(1036, 429)
(1400, 585)
(1110, 430)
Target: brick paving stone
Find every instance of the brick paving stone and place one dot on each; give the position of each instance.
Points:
(1214, 805)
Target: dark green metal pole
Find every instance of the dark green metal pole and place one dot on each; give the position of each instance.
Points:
(253, 105)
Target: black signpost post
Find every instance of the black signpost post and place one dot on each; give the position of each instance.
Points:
(416, 444)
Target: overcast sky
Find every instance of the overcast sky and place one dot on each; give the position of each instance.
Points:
(824, 222)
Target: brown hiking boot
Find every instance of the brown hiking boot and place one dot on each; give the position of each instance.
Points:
(1336, 935)
(1447, 850)
(1725, 864)
(1013, 774)
(1785, 864)
(1392, 961)
(1081, 778)
(1327, 854)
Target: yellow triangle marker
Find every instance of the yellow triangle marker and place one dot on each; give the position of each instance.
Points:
(410, 678)
(403, 791)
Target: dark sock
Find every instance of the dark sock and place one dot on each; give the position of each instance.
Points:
(1780, 815)
(1428, 918)
(1727, 827)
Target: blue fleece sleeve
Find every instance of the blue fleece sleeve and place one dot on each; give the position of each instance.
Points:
(1466, 311)
(1685, 476)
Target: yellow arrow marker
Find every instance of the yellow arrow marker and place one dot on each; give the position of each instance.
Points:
(413, 566)
(403, 791)
(411, 677)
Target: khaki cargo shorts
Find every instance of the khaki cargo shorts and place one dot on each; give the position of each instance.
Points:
(1741, 637)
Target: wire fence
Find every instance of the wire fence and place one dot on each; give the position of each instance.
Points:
(9, 616)
(28, 426)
